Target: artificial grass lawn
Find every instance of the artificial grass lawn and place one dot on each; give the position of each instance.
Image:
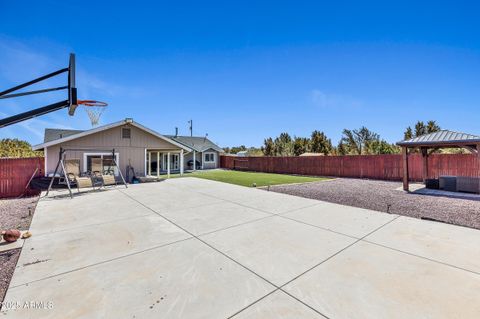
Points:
(248, 178)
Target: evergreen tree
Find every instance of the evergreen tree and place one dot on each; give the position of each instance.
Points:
(432, 127)
(420, 129)
(320, 143)
(408, 134)
(268, 147)
(301, 145)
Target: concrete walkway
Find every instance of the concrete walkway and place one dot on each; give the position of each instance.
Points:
(193, 248)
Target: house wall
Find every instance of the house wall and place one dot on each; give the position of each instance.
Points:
(210, 165)
(131, 151)
(200, 157)
(189, 157)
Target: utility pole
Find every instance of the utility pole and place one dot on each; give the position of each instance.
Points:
(191, 127)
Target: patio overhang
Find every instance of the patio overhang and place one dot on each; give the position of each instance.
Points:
(429, 143)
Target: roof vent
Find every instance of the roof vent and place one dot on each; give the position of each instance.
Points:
(129, 120)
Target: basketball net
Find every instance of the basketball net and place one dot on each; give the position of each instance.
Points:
(94, 113)
(94, 109)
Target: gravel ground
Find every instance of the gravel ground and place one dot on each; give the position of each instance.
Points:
(8, 261)
(17, 214)
(383, 196)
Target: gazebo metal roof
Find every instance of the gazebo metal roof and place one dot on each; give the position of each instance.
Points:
(441, 138)
(436, 140)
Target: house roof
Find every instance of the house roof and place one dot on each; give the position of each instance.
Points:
(197, 143)
(312, 154)
(79, 133)
(443, 137)
(52, 134)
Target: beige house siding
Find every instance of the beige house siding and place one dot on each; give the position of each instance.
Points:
(199, 156)
(131, 151)
(210, 165)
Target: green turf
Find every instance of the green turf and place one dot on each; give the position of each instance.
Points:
(248, 178)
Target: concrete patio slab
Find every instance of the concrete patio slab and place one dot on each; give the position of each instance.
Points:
(369, 281)
(162, 197)
(278, 305)
(115, 254)
(53, 215)
(183, 280)
(454, 245)
(208, 218)
(273, 203)
(52, 254)
(351, 221)
(276, 248)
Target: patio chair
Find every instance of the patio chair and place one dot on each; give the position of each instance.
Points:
(72, 168)
(106, 179)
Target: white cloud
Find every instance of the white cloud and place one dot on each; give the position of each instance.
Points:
(324, 100)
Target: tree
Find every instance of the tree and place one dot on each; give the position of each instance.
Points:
(341, 149)
(382, 147)
(320, 143)
(432, 127)
(283, 145)
(408, 133)
(301, 145)
(268, 147)
(358, 141)
(421, 129)
(17, 148)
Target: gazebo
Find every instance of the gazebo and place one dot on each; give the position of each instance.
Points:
(428, 143)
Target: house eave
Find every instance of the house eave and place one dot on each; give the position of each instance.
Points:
(107, 127)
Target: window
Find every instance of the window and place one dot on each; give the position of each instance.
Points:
(126, 133)
(100, 162)
(209, 157)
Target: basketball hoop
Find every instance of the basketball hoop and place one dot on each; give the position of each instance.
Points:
(94, 109)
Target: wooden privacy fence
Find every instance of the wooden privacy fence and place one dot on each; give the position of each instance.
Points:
(385, 167)
(15, 174)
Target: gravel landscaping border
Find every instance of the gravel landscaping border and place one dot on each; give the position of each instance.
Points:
(15, 213)
(384, 196)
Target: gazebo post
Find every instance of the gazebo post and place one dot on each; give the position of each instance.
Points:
(425, 164)
(405, 168)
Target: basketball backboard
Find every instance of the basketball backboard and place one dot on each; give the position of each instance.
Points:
(71, 102)
(72, 89)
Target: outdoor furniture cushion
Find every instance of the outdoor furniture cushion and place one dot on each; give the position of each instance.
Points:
(83, 182)
(448, 183)
(72, 166)
(468, 184)
(432, 183)
(109, 180)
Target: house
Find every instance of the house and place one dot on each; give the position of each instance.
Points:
(242, 153)
(148, 152)
(204, 153)
(312, 154)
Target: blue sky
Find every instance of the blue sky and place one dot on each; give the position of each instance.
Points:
(247, 70)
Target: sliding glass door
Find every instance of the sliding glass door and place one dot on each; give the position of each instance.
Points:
(156, 162)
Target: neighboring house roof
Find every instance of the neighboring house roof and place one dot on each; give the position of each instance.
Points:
(443, 137)
(197, 143)
(103, 128)
(312, 154)
(52, 134)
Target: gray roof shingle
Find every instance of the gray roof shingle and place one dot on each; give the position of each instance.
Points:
(52, 134)
(198, 143)
(441, 137)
